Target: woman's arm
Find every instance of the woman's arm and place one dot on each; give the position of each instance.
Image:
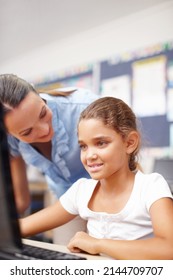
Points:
(159, 247)
(20, 184)
(46, 219)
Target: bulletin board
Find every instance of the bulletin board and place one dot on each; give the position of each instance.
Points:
(144, 80)
(81, 76)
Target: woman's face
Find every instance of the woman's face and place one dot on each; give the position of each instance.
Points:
(31, 121)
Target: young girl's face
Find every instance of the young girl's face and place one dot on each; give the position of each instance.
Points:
(31, 121)
(103, 151)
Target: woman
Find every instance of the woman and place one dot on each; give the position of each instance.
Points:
(129, 214)
(42, 132)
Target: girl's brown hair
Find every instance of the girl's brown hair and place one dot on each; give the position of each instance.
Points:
(116, 114)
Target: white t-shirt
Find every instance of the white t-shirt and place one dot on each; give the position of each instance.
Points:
(132, 222)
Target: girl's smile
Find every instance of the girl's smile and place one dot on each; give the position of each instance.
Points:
(94, 167)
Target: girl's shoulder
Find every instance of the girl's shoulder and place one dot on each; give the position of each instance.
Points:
(152, 186)
(150, 181)
(84, 184)
(150, 177)
(81, 190)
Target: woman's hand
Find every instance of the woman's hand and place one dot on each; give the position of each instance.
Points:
(83, 242)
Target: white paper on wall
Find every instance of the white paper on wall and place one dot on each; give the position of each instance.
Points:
(149, 85)
(118, 87)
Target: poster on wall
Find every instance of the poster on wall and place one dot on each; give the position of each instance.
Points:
(85, 81)
(170, 92)
(149, 84)
(170, 105)
(119, 87)
(79, 76)
(171, 135)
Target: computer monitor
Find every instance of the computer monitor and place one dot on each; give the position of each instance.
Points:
(9, 227)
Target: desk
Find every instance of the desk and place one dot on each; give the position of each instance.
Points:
(62, 248)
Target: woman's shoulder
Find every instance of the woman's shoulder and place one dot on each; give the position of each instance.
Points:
(71, 95)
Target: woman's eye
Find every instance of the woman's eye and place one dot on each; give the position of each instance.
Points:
(27, 132)
(82, 147)
(43, 113)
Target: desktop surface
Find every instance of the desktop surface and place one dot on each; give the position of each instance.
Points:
(63, 249)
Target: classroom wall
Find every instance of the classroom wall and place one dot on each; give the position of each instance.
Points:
(145, 28)
(142, 29)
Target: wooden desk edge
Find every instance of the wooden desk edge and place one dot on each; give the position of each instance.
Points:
(63, 249)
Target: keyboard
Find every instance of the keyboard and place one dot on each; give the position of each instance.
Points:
(30, 252)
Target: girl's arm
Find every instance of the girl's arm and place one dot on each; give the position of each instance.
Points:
(46, 219)
(158, 247)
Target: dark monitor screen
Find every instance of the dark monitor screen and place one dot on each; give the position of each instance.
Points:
(9, 227)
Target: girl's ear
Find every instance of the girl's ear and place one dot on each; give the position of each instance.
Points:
(132, 142)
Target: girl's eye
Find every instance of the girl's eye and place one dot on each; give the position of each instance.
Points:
(101, 143)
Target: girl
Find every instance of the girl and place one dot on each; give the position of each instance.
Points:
(129, 214)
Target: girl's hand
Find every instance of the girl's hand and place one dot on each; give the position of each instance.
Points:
(83, 242)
